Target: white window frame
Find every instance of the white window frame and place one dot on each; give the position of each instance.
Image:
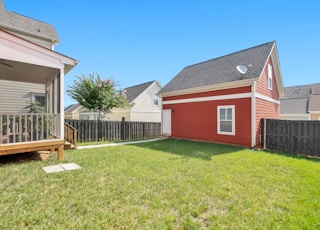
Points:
(153, 98)
(269, 76)
(34, 95)
(232, 107)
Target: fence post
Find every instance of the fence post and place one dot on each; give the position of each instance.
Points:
(144, 131)
(263, 133)
(122, 128)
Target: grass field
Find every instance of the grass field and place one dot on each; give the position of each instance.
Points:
(168, 184)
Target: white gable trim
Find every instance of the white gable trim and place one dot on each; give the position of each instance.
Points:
(276, 69)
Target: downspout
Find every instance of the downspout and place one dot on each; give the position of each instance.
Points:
(253, 114)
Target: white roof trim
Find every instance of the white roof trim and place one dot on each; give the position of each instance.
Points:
(46, 57)
(227, 85)
(276, 68)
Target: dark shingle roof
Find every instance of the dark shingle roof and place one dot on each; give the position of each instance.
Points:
(315, 89)
(294, 106)
(221, 69)
(314, 103)
(297, 91)
(300, 99)
(134, 91)
(71, 108)
(10, 20)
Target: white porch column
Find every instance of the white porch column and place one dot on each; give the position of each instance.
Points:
(49, 97)
(56, 95)
(61, 102)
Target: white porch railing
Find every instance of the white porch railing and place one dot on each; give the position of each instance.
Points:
(18, 127)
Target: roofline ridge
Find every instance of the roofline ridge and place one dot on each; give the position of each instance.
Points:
(302, 85)
(12, 12)
(229, 54)
(36, 20)
(140, 84)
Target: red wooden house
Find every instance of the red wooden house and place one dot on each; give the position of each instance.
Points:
(222, 100)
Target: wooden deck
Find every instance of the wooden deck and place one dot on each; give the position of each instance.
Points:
(46, 145)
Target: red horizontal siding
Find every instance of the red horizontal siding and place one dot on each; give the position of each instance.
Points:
(262, 83)
(266, 109)
(198, 121)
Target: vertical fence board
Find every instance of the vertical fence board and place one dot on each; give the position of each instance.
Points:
(299, 137)
(114, 130)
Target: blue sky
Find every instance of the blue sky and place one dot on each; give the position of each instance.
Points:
(138, 41)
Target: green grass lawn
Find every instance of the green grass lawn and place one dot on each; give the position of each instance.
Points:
(168, 184)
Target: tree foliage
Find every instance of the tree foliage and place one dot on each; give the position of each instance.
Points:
(97, 95)
(34, 107)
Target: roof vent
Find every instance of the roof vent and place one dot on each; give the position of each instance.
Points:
(242, 69)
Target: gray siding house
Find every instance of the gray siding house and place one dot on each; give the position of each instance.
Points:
(37, 32)
(301, 102)
(144, 105)
(30, 70)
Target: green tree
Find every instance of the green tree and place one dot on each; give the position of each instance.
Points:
(35, 107)
(97, 95)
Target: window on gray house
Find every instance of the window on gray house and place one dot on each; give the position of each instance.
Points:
(155, 99)
(39, 97)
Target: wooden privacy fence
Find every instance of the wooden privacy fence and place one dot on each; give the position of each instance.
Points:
(300, 137)
(89, 130)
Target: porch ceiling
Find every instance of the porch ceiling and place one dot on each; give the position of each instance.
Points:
(24, 72)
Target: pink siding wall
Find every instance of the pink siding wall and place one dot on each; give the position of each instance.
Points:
(266, 109)
(262, 83)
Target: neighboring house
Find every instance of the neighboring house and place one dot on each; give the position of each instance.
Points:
(301, 103)
(144, 105)
(30, 70)
(72, 111)
(222, 100)
(36, 32)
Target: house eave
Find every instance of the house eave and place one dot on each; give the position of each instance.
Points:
(221, 86)
(53, 40)
(28, 46)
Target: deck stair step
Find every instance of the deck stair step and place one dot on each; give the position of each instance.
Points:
(68, 145)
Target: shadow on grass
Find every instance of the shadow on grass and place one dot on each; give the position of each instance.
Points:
(22, 158)
(186, 148)
(294, 155)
